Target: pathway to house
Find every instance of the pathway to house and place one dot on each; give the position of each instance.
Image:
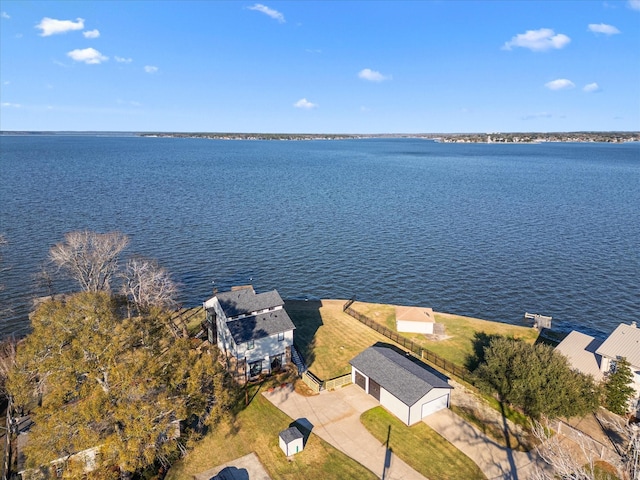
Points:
(335, 417)
(495, 461)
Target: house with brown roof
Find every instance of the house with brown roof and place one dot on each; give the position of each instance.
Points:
(414, 320)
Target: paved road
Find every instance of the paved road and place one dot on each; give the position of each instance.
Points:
(495, 461)
(335, 417)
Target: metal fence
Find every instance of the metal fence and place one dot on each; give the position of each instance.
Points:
(418, 350)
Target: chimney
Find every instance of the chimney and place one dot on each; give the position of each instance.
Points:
(633, 324)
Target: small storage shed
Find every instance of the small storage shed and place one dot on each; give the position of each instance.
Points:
(291, 441)
(406, 387)
(414, 320)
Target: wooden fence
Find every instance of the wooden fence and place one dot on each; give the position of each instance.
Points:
(315, 384)
(418, 350)
(337, 382)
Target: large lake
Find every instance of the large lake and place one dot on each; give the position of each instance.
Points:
(484, 230)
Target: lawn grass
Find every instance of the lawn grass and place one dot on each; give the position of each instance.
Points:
(327, 337)
(421, 447)
(460, 331)
(256, 428)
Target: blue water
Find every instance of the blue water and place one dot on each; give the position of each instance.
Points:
(489, 231)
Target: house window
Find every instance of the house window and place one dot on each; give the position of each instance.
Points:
(250, 345)
(255, 369)
(281, 336)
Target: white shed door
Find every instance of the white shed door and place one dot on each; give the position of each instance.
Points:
(435, 405)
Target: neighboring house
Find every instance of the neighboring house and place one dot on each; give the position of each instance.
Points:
(253, 331)
(414, 320)
(406, 387)
(580, 350)
(624, 342)
(598, 358)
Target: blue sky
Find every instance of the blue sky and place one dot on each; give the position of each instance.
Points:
(320, 67)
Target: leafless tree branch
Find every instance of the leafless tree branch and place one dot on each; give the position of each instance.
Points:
(90, 258)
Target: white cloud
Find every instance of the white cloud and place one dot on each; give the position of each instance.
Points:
(89, 56)
(591, 87)
(91, 33)
(538, 40)
(123, 60)
(372, 75)
(11, 105)
(559, 84)
(276, 15)
(634, 4)
(150, 69)
(5, 15)
(51, 26)
(603, 28)
(304, 103)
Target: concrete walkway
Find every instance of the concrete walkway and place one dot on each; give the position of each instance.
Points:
(495, 461)
(335, 417)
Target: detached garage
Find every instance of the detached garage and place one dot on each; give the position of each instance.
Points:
(406, 387)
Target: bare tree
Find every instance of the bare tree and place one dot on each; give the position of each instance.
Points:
(8, 348)
(90, 258)
(576, 459)
(147, 284)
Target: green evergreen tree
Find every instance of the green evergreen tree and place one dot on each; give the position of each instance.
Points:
(536, 379)
(92, 377)
(618, 389)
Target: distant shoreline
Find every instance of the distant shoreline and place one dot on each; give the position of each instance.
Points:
(529, 138)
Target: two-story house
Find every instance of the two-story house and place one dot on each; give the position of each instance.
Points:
(598, 358)
(252, 330)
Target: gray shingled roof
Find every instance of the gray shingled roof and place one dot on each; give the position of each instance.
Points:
(291, 434)
(399, 375)
(260, 326)
(244, 301)
(623, 342)
(580, 350)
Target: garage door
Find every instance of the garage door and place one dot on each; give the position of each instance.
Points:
(360, 380)
(374, 389)
(435, 405)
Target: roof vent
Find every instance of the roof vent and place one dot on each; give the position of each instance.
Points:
(633, 324)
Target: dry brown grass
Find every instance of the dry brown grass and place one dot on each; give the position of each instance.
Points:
(460, 331)
(328, 337)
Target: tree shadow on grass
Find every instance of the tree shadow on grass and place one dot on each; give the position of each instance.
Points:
(481, 340)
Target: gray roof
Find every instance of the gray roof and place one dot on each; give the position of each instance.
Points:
(260, 326)
(291, 434)
(580, 350)
(623, 342)
(401, 376)
(244, 301)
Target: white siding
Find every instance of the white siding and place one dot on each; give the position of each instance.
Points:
(416, 408)
(414, 327)
(266, 347)
(290, 448)
(394, 405)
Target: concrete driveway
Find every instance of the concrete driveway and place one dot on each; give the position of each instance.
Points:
(335, 417)
(495, 461)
